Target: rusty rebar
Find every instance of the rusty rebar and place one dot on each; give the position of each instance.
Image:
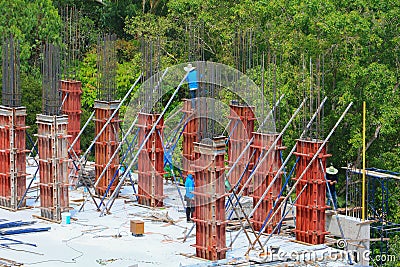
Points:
(51, 80)
(11, 92)
(107, 67)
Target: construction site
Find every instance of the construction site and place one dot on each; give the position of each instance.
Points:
(259, 199)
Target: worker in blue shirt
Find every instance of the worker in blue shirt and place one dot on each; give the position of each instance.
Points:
(189, 196)
(193, 81)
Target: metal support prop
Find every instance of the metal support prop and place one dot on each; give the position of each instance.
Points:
(77, 138)
(363, 197)
(284, 216)
(116, 191)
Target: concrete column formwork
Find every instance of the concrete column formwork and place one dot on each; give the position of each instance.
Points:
(53, 165)
(263, 178)
(241, 129)
(71, 96)
(12, 156)
(106, 146)
(210, 200)
(311, 205)
(151, 161)
(190, 136)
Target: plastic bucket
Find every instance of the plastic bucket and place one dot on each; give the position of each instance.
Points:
(66, 218)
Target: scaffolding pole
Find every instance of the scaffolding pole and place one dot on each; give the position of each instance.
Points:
(363, 211)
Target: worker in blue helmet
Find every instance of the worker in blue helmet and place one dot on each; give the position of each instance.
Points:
(193, 81)
(189, 196)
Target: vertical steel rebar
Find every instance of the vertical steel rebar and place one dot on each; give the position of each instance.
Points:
(107, 67)
(51, 77)
(11, 91)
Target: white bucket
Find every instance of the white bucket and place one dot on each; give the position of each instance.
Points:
(66, 218)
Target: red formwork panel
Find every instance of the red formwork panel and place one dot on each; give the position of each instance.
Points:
(71, 95)
(106, 145)
(263, 177)
(311, 205)
(190, 136)
(210, 200)
(241, 129)
(150, 161)
(12, 156)
(53, 165)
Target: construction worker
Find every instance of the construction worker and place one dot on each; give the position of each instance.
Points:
(331, 177)
(189, 196)
(192, 80)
